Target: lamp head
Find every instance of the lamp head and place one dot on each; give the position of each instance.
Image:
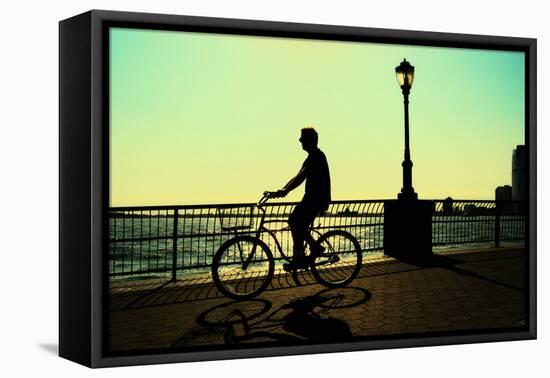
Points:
(405, 74)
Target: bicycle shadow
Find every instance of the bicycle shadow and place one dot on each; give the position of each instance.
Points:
(313, 318)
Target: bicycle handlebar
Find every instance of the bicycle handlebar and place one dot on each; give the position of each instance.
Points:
(267, 196)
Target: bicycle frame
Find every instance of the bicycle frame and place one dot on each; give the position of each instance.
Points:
(262, 229)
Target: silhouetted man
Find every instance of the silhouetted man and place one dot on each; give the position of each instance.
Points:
(316, 199)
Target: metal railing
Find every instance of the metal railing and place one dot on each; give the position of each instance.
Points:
(172, 239)
(145, 240)
(464, 222)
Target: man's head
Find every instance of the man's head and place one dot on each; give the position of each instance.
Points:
(309, 138)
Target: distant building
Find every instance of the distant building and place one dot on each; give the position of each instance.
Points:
(503, 193)
(519, 173)
(519, 177)
(503, 196)
(448, 206)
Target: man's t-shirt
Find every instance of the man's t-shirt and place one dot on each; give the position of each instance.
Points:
(317, 179)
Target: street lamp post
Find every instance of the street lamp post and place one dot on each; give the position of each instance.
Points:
(405, 78)
(407, 220)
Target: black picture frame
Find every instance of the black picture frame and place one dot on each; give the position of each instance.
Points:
(83, 180)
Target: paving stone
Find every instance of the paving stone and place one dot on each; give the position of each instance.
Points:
(482, 290)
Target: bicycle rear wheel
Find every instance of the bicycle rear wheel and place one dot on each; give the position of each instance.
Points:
(243, 267)
(341, 260)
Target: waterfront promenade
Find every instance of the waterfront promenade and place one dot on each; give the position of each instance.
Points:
(476, 289)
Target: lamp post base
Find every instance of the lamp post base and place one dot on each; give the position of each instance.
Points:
(408, 228)
(407, 195)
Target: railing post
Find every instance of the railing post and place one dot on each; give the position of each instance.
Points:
(498, 207)
(175, 245)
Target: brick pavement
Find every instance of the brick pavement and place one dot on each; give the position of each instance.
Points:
(461, 290)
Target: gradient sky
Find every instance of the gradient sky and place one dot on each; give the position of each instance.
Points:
(208, 118)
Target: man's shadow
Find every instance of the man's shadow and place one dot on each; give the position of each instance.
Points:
(302, 320)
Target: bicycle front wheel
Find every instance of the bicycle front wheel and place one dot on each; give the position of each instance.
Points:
(243, 267)
(341, 260)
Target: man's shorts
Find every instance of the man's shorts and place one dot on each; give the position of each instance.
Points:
(304, 214)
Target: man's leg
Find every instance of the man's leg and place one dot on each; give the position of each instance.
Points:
(301, 218)
(311, 213)
(308, 238)
(298, 228)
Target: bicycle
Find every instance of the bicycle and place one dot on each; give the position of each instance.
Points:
(244, 265)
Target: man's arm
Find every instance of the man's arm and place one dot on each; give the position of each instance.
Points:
(295, 182)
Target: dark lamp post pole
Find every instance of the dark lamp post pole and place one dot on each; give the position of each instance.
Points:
(407, 220)
(405, 78)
